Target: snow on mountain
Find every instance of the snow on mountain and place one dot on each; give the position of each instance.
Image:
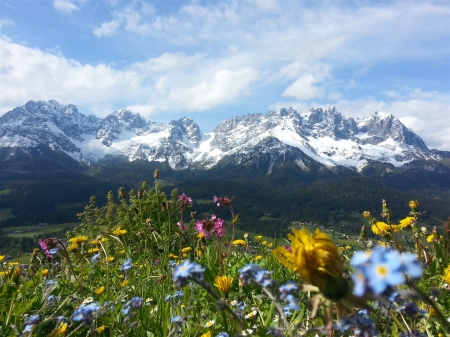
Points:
(323, 135)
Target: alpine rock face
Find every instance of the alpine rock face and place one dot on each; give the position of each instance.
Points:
(321, 135)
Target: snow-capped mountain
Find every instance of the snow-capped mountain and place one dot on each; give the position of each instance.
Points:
(321, 135)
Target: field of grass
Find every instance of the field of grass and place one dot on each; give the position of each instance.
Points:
(5, 213)
(30, 231)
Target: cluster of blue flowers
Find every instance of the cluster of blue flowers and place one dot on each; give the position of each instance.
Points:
(177, 296)
(186, 271)
(134, 303)
(30, 323)
(377, 271)
(253, 273)
(288, 294)
(126, 265)
(360, 323)
(86, 313)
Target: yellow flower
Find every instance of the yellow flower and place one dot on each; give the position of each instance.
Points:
(315, 258)
(446, 276)
(97, 242)
(430, 238)
(17, 272)
(94, 250)
(99, 290)
(414, 205)
(123, 283)
(100, 329)
(367, 214)
(60, 330)
(4, 273)
(340, 250)
(119, 232)
(382, 228)
(186, 250)
(122, 251)
(172, 256)
(264, 243)
(257, 238)
(45, 272)
(348, 247)
(259, 257)
(199, 252)
(223, 283)
(270, 245)
(72, 246)
(110, 258)
(208, 334)
(2, 257)
(78, 239)
(200, 235)
(408, 221)
(239, 242)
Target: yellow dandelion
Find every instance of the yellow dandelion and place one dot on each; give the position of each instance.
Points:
(185, 255)
(200, 235)
(119, 232)
(382, 228)
(199, 252)
(208, 334)
(98, 291)
(97, 241)
(110, 259)
(94, 250)
(258, 258)
(414, 205)
(367, 214)
(100, 329)
(270, 245)
(408, 221)
(72, 247)
(258, 237)
(4, 273)
(45, 272)
(78, 239)
(264, 243)
(223, 283)
(124, 283)
(60, 330)
(2, 257)
(446, 276)
(173, 256)
(239, 242)
(122, 251)
(348, 247)
(340, 250)
(17, 272)
(186, 250)
(316, 259)
(12, 263)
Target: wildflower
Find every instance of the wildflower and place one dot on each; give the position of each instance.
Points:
(209, 324)
(98, 291)
(86, 313)
(414, 205)
(348, 247)
(200, 235)
(126, 265)
(51, 282)
(110, 259)
(223, 201)
(95, 258)
(223, 283)
(264, 243)
(385, 210)
(119, 232)
(186, 250)
(406, 222)
(446, 276)
(93, 250)
(2, 257)
(87, 301)
(187, 270)
(123, 283)
(45, 272)
(367, 215)
(258, 258)
(72, 247)
(134, 303)
(182, 226)
(410, 309)
(212, 225)
(208, 334)
(382, 228)
(122, 251)
(316, 259)
(258, 237)
(175, 319)
(270, 245)
(78, 239)
(60, 330)
(184, 201)
(33, 319)
(253, 273)
(239, 242)
(52, 299)
(100, 329)
(223, 334)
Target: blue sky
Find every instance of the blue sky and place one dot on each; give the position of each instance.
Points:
(212, 60)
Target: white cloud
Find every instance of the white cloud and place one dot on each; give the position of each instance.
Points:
(106, 28)
(6, 22)
(65, 6)
(225, 87)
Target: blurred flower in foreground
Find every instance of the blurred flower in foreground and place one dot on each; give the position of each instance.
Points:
(377, 271)
(316, 259)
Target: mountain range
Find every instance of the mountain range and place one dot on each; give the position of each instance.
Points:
(317, 165)
(325, 136)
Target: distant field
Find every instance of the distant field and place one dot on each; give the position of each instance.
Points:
(30, 231)
(5, 213)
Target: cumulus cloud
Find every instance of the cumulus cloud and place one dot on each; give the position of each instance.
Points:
(6, 22)
(65, 6)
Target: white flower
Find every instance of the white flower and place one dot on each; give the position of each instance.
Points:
(423, 229)
(209, 323)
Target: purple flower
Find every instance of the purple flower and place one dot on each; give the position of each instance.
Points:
(184, 201)
(182, 226)
(212, 225)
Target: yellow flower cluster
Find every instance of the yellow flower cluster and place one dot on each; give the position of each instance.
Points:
(118, 231)
(186, 250)
(223, 283)
(382, 228)
(446, 276)
(78, 239)
(2, 257)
